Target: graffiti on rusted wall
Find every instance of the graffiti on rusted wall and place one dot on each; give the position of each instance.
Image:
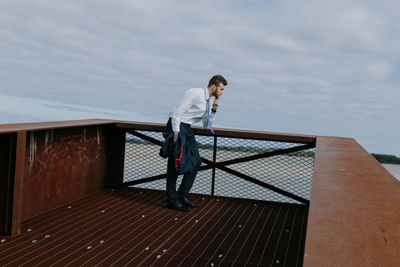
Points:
(62, 165)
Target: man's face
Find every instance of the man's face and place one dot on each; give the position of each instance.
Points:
(219, 90)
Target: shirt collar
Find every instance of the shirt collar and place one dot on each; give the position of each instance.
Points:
(206, 93)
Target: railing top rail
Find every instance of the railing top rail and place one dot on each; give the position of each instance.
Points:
(15, 127)
(223, 132)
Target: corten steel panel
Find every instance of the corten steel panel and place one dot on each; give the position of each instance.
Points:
(18, 184)
(6, 128)
(354, 215)
(133, 227)
(7, 173)
(62, 165)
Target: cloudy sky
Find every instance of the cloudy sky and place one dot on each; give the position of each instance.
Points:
(312, 67)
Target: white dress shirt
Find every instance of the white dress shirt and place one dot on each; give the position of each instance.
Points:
(192, 109)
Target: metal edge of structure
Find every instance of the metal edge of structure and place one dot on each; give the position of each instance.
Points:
(15, 127)
(354, 211)
(224, 132)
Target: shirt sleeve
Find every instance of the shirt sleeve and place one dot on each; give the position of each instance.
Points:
(185, 104)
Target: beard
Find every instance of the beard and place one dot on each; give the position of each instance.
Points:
(215, 95)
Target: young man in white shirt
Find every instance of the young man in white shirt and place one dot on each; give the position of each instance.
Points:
(194, 107)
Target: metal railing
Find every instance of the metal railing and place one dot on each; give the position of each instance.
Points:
(239, 164)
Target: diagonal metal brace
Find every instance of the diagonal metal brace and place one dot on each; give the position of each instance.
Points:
(260, 156)
(145, 137)
(258, 182)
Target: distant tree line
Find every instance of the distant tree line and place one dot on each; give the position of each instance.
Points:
(390, 159)
(233, 148)
(382, 158)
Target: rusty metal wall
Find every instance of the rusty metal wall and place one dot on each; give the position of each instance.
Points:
(44, 165)
(62, 165)
(354, 215)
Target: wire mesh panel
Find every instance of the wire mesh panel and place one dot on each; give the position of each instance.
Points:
(291, 172)
(244, 168)
(142, 160)
(202, 183)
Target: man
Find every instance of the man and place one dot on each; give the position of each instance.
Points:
(194, 107)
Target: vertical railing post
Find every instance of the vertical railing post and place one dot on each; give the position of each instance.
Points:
(116, 139)
(18, 183)
(213, 169)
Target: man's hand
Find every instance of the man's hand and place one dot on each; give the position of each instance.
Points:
(176, 136)
(215, 104)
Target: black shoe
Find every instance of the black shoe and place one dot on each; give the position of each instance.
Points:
(188, 203)
(175, 204)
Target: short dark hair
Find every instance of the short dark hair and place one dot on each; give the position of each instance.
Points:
(216, 80)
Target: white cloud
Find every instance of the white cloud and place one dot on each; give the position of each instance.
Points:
(379, 70)
(306, 66)
(16, 108)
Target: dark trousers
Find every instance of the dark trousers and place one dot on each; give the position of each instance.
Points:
(188, 178)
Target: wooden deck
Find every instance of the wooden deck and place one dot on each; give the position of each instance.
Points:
(133, 227)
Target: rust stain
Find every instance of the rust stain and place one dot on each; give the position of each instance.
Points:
(68, 146)
(62, 166)
(32, 148)
(383, 234)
